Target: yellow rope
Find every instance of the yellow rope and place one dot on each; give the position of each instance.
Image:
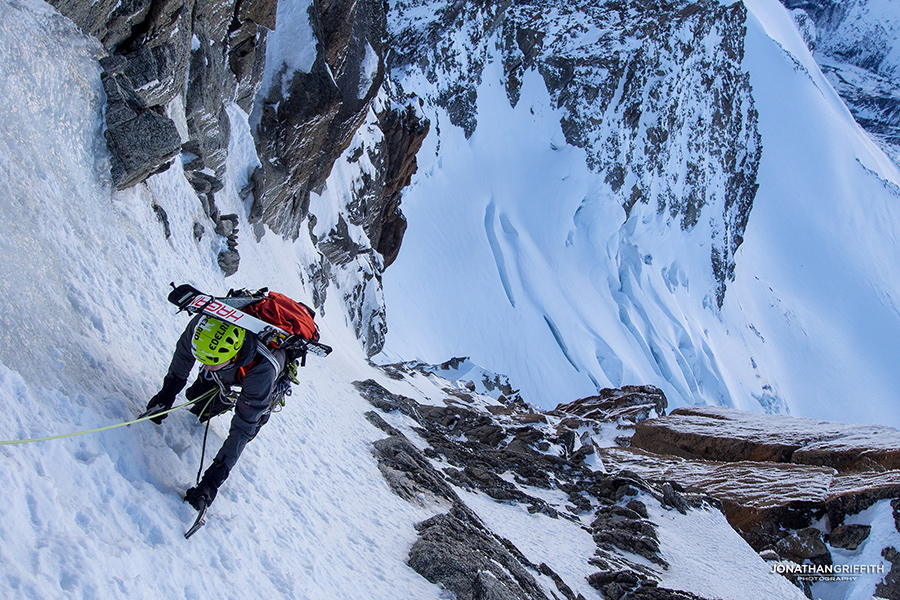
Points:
(77, 433)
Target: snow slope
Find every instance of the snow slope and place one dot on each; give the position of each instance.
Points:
(856, 43)
(831, 316)
(87, 336)
(520, 257)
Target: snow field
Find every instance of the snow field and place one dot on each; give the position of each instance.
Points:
(708, 557)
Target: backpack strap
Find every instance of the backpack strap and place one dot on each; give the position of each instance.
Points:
(267, 354)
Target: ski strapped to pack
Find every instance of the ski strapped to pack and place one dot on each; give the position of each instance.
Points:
(235, 308)
(231, 310)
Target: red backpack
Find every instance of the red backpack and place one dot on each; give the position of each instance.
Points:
(294, 317)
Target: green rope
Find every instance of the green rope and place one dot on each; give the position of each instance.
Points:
(77, 433)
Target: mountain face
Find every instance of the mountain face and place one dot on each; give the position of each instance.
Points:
(626, 193)
(856, 45)
(175, 68)
(516, 161)
(599, 166)
(653, 91)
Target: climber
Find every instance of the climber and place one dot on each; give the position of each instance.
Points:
(229, 356)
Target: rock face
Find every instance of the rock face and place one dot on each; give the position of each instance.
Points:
(366, 235)
(454, 549)
(141, 141)
(514, 455)
(461, 555)
(155, 47)
(659, 102)
(308, 119)
(849, 537)
(788, 485)
(404, 131)
(208, 54)
(189, 61)
(633, 402)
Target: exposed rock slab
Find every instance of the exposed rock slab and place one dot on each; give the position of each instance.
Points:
(454, 549)
(308, 119)
(756, 497)
(404, 131)
(723, 434)
(787, 511)
(209, 53)
(469, 561)
(849, 537)
(762, 500)
(141, 141)
(851, 493)
(631, 402)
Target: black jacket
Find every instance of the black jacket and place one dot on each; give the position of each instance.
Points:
(253, 370)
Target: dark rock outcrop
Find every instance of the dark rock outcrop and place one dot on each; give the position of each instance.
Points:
(212, 52)
(308, 119)
(151, 45)
(404, 130)
(762, 500)
(848, 537)
(215, 46)
(632, 402)
(792, 514)
(454, 549)
(372, 205)
(889, 587)
(532, 451)
(187, 61)
(209, 82)
(804, 545)
(469, 561)
(141, 140)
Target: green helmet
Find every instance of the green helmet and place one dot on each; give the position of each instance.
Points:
(216, 342)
